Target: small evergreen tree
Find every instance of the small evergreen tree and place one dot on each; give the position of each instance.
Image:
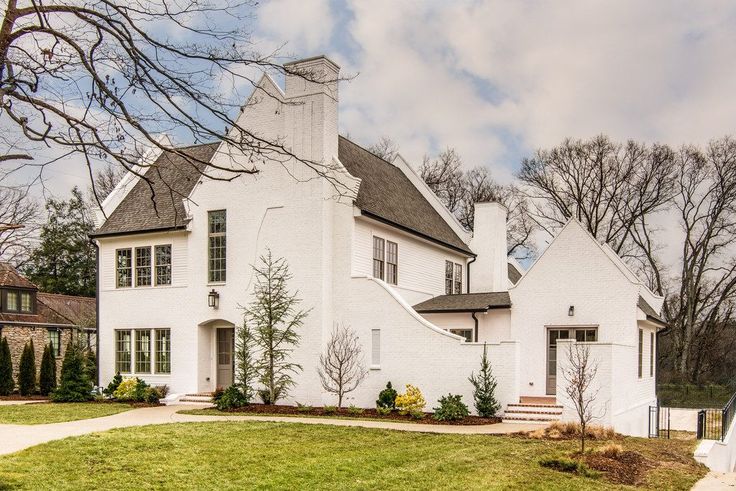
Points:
(387, 398)
(74, 385)
(484, 388)
(114, 384)
(275, 319)
(7, 384)
(90, 365)
(47, 378)
(27, 371)
(245, 362)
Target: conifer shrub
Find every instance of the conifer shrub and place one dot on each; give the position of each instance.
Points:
(113, 385)
(387, 398)
(90, 365)
(47, 377)
(74, 385)
(231, 398)
(411, 402)
(7, 384)
(27, 371)
(451, 408)
(484, 388)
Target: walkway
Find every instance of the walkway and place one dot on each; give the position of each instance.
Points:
(18, 437)
(717, 481)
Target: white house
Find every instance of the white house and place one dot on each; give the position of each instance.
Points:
(382, 255)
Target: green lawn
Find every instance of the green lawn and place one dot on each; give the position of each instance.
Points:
(256, 455)
(49, 412)
(693, 396)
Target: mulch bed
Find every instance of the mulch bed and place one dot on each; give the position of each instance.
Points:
(366, 414)
(628, 467)
(18, 397)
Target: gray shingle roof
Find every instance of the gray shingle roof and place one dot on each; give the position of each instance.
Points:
(651, 314)
(172, 177)
(514, 274)
(386, 193)
(466, 302)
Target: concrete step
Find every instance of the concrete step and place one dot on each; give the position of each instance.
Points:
(530, 418)
(545, 400)
(522, 412)
(196, 398)
(540, 422)
(535, 407)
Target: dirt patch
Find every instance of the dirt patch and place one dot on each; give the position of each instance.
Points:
(366, 414)
(18, 397)
(627, 467)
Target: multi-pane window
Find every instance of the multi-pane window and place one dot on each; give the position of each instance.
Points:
(123, 351)
(379, 257)
(641, 350)
(651, 354)
(392, 262)
(142, 266)
(11, 301)
(449, 276)
(55, 341)
(26, 302)
(586, 335)
(163, 264)
(163, 351)
(216, 264)
(466, 333)
(124, 268)
(458, 279)
(142, 351)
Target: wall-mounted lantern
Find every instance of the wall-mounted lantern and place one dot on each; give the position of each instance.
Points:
(570, 311)
(213, 299)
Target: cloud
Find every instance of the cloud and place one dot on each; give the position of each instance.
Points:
(306, 25)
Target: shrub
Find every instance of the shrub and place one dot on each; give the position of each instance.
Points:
(451, 408)
(232, 398)
(127, 390)
(355, 410)
(571, 430)
(611, 451)
(411, 401)
(265, 395)
(484, 388)
(150, 395)
(568, 465)
(383, 410)
(47, 378)
(387, 398)
(113, 385)
(217, 394)
(90, 365)
(303, 408)
(74, 385)
(416, 414)
(330, 409)
(27, 371)
(7, 384)
(162, 391)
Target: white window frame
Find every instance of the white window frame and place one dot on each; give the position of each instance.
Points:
(375, 349)
(379, 257)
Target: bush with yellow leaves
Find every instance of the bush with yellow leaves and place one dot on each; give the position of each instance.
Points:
(411, 402)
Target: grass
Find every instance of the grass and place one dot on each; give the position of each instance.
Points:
(261, 455)
(42, 413)
(693, 396)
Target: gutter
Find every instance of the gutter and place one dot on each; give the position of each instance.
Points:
(467, 272)
(97, 310)
(476, 326)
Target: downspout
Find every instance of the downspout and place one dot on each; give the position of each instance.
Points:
(467, 268)
(97, 310)
(476, 325)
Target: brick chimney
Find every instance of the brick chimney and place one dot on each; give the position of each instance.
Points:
(489, 272)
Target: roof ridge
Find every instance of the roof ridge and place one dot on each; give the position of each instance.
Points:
(83, 297)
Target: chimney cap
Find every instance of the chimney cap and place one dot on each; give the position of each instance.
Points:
(491, 204)
(311, 59)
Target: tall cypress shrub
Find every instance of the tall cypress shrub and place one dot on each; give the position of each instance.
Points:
(90, 365)
(47, 378)
(484, 388)
(74, 385)
(27, 371)
(7, 384)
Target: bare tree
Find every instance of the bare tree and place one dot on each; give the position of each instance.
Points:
(106, 179)
(386, 148)
(105, 78)
(19, 224)
(579, 375)
(459, 190)
(341, 367)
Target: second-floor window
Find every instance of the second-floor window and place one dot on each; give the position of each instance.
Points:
(142, 266)
(18, 301)
(379, 257)
(163, 264)
(216, 246)
(458, 284)
(453, 278)
(124, 268)
(392, 262)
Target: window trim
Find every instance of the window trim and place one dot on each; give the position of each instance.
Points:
(457, 332)
(651, 354)
(118, 268)
(380, 260)
(156, 351)
(156, 265)
(210, 248)
(137, 341)
(457, 279)
(130, 342)
(395, 264)
(149, 267)
(641, 353)
(449, 276)
(57, 350)
(375, 349)
(133, 351)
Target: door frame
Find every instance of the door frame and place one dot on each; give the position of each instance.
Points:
(570, 328)
(217, 354)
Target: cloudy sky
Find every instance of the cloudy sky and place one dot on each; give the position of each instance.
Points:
(497, 80)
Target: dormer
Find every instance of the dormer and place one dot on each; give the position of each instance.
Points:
(17, 294)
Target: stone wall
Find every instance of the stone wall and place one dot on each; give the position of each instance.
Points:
(18, 336)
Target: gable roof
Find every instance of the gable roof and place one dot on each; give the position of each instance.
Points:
(651, 314)
(387, 194)
(172, 177)
(9, 276)
(465, 302)
(513, 274)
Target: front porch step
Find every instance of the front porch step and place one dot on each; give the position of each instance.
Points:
(544, 400)
(539, 421)
(534, 408)
(202, 397)
(525, 412)
(543, 410)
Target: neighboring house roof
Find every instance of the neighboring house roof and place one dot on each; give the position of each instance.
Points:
(514, 274)
(465, 302)
(10, 277)
(388, 195)
(172, 177)
(651, 314)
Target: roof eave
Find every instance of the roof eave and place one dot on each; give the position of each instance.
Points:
(98, 235)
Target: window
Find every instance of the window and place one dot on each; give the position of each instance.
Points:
(466, 333)
(55, 341)
(651, 354)
(392, 262)
(458, 278)
(449, 275)
(586, 335)
(11, 301)
(163, 264)
(142, 351)
(216, 246)
(142, 266)
(26, 302)
(123, 268)
(163, 351)
(379, 249)
(122, 351)
(641, 350)
(375, 347)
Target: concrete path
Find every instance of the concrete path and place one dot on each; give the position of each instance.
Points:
(17, 403)
(18, 437)
(717, 481)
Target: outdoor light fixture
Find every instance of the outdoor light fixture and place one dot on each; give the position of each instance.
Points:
(570, 311)
(213, 299)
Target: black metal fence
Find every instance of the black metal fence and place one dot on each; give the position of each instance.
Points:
(659, 422)
(713, 424)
